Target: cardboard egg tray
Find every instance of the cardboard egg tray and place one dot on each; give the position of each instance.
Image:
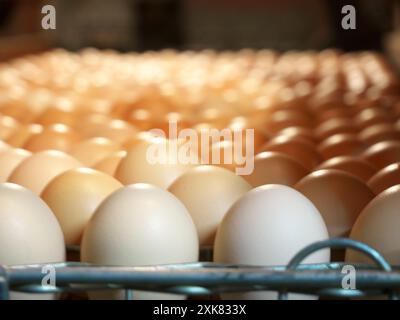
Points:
(206, 279)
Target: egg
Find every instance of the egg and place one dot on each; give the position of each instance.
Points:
(74, 195)
(356, 166)
(378, 133)
(39, 169)
(334, 126)
(338, 196)
(140, 225)
(9, 160)
(56, 137)
(275, 168)
(295, 147)
(91, 151)
(377, 226)
(110, 163)
(371, 116)
(208, 192)
(267, 227)
(155, 161)
(19, 138)
(304, 133)
(385, 178)
(340, 144)
(30, 234)
(383, 153)
(8, 126)
(118, 131)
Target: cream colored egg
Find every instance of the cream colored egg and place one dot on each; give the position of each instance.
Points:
(156, 161)
(275, 168)
(139, 225)
(208, 192)
(92, 150)
(9, 160)
(339, 197)
(39, 169)
(378, 226)
(29, 232)
(267, 227)
(110, 163)
(74, 195)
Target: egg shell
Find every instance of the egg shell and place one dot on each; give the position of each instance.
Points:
(275, 168)
(382, 154)
(267, 227)
(152, 161)
(29, 232)
(208, 192)
(56, 137)
(377, 226)
(334, 126)
(93, 150)
(39, 169)
(356, 166)
(378, 133)
(341, 144)
(19, 138)
(295, 147)
(74, 195)
(338, 196)
(110, 163)
(385, 178)
(9, 160)
(140, 225)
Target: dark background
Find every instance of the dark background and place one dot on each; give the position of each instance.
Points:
(194, 24)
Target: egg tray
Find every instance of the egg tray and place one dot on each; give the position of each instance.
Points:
(205, 278)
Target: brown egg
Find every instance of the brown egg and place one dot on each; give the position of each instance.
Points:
(155, 161)
(385, 178)
(282, 119)
(303, 133)
(9, 160)
(91, 151)
(110, 163)
(228, 154)
(74, 196)
(8, 127)
(142, 119)
(352, 165)
(379, 132)
(338, 196)
(137, 138)
(19, 138)
(39, 169)
(118, 131)
(371, 116)
(94, 122)
(275, 168)
(378, 226)
(383, 153)
(297, 148)
(337, 112)
(340, 144)
(55, 137)
(63, 115)
(334, 126)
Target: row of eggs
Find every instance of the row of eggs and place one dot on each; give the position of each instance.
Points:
(326, 140)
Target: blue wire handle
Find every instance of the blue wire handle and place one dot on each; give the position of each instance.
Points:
(338, 243)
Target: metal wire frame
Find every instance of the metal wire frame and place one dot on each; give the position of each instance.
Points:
(204, 278)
